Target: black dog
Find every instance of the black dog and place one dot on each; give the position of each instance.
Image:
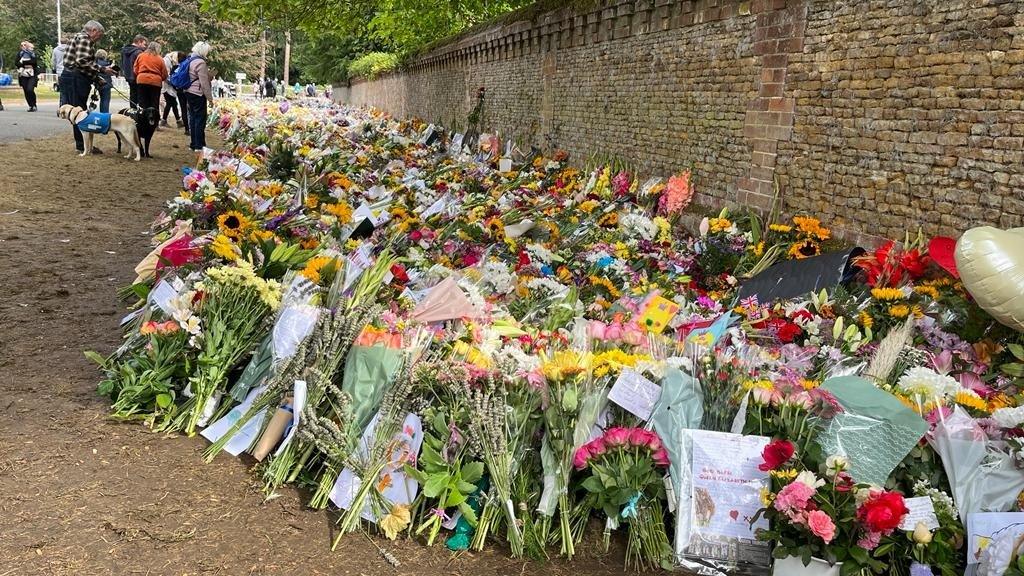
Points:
(146, 120)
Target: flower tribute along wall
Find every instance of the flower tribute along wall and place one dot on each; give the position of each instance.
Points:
(876, 115)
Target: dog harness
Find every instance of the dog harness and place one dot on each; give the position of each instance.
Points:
(95, 122)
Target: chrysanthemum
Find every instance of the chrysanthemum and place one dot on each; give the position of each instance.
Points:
(921, 381)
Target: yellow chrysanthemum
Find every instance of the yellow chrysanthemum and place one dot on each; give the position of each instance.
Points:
(224, 248)
(809, 384)
(589, 206)
(783, 228)
(786, 474)
(233, 224)
(767, 497)
(888, 294)
(565, 364)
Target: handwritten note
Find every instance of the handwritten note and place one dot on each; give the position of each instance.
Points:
(635, 394)
(727, 484)
(161, 296)
(921, 510)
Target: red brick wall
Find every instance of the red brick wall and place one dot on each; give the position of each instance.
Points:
(878, 115)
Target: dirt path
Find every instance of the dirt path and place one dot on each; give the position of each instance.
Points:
(82, 495)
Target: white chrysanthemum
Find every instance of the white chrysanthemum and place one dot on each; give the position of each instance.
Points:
(921, 381)
(639, 225)
(541, 253)
(1009, 417)
(547, 286)
(497, 278)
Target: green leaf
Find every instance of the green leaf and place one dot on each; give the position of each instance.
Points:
(164, 400)
(466, 487)
(454, 499)
(95, 357)
(468, 513)
(434, 485)
(1017, 350)
(593, 484)
(1013, 369)
(472, 472)
(859, 554)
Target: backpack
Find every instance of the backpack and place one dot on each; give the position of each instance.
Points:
(181, 79)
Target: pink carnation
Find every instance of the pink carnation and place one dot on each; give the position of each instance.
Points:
(793, 497)
(821, 525)
(870, 540)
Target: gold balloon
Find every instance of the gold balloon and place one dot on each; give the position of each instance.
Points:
(991, 266)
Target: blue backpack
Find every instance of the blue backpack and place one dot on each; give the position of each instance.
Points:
(180, 79)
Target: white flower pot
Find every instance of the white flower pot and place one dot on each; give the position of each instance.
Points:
(794, 566)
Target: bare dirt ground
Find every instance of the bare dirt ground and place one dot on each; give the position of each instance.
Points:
(82, 495)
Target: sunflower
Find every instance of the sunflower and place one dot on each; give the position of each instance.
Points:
(930, 291)
(609, 220)
(342, 211)
(865, 319)
(805, 249)
(970, 399)
(888, 294)
(314, 266)
(233, 224)
(495, 227)
(899, 310)
(783, 228)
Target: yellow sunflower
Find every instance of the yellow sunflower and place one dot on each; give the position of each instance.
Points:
(233, 224)
(805, 249)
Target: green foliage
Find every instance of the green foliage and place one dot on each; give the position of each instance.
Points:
(372, 65)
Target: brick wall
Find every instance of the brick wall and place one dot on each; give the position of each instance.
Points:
(878, 115)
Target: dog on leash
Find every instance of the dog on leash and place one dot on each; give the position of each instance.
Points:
(91, 123)
(146, 120)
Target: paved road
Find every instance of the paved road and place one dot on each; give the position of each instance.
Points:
(17, 123)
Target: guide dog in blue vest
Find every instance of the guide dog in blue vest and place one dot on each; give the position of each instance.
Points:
(92, 123)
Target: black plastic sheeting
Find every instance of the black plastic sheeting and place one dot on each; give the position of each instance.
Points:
(794, 278)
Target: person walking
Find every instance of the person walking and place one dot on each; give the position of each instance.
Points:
(199, 95)
(103, 61)
(58, 61)
(150, 73)
(182, 104)
(80, 72)
(128, 55)
(170, 94)
(28, 73)
(269, 89)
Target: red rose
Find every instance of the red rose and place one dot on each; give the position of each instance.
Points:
(398, 273)
(789, 332)
(883, 512)
(415, 236)
(775, 454)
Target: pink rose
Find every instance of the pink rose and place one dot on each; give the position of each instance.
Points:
(597, 447)
(613, 331)
(661, 458)
(821, 525)
(617, 436)
(597, 329)
(582, 457)
(644, 439)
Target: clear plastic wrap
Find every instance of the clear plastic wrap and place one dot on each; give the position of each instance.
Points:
(982, 473)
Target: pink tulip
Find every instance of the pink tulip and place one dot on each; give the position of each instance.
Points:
(597, 329)
(613, 331)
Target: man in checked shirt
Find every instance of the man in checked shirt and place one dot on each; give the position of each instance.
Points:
(81, 72)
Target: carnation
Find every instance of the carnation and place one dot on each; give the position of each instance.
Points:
(928, 383)
(1009, 417)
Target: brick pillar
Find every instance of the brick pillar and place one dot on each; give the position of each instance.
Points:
(778, 32)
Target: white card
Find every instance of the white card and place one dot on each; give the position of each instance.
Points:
(244, 170)
(436, 207)
(505, 165)
(293, 324)
(921, 510)
(361, 213)
(161, 296)
(636, 394)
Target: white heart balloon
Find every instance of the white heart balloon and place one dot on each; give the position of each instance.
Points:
(991, 266)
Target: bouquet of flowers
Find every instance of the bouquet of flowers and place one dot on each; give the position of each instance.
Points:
(625, 468)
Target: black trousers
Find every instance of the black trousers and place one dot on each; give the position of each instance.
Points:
(196, 120)
(74, 90)
(170, 105)
(133, 92)
(148, 96)
(28, 86)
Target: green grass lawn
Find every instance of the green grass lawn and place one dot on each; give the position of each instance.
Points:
(14, 93)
